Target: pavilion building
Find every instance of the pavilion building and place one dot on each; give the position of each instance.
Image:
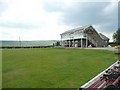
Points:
(85, 36)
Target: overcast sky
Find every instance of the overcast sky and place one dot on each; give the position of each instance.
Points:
(47, 19)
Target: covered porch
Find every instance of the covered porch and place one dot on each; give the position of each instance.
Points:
(80, 42)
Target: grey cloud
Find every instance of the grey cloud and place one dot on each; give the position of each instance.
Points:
(3, 7)
(90, 13)
(110, 27)
(119, 14)
(83, 13)
(17, 25)
(53, 6)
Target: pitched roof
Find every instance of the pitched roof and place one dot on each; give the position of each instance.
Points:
(77, 29)
(103, 36)
(83, 28)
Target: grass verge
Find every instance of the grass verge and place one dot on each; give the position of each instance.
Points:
(52, 67)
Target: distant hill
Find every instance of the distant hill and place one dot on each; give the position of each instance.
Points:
(27, 43)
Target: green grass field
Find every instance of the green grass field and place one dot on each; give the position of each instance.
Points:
(52, 67)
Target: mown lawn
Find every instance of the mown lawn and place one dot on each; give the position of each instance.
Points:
(52, 67)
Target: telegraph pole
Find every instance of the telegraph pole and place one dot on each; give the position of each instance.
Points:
(19, 41)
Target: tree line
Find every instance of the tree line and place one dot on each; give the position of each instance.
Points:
(116, 37)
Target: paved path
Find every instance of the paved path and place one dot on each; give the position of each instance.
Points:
(95, 48)
(102, 48)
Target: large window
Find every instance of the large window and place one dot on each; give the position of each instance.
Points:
(78, 34)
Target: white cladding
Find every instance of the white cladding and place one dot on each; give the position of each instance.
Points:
(73, 35)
